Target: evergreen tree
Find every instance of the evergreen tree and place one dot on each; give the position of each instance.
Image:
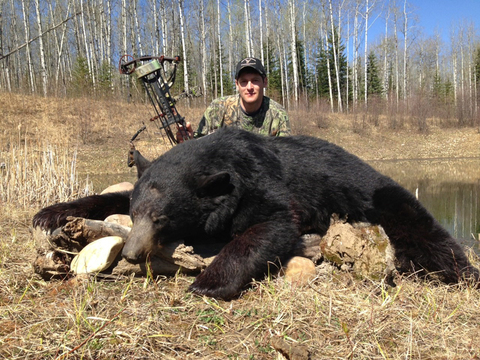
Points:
(322, 68)
(374, 84)
(81, 79)
(105, 77)
(438, 87)
(273, 70)
(477, 67)
(322, 73)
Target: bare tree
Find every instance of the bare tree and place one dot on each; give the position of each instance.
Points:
(220, 60)
(182, 32)
(248, 29)
(385, 57)
(293, 47)
(43, 65)
(335, 58)
(26, 26)
(204, 51)
(261, 30)
(137, 28)
(230, 36)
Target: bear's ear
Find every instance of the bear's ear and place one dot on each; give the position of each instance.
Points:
(141, 163)
(214, 185)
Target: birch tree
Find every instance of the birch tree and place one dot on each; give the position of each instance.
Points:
(204, 51)
(5, 72)
(293, 47)
(230, 36)
(182, 32)
(385, 56)
(26, 27)
(335, 58)
(220, 60)
(248, 31)
(137, 28)
(261, 30)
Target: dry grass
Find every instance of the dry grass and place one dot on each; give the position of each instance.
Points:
(334, 317)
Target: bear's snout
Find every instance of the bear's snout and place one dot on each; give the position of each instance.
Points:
(132, 257)
(140, 242)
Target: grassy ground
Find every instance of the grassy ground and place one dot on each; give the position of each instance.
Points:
(336, 316)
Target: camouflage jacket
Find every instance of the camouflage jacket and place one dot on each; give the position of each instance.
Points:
(270, 119)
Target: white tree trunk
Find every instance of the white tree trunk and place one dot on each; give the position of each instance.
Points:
(85, 41)
(367, 10)
(29, 57)
(182, 32)
(42, 50)
(156, 32)
(385, 58)
(330, 85)
(247, 28)
(356, 44)
(261, 30)
(139, 39)
(163, 21)
(285, 77)
(220, 60)
(293, 47)
(203, 44)
(230, 35)
(61, 48)
(335, 58)
(397, 70)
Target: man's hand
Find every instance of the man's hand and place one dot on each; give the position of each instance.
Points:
(184, 133)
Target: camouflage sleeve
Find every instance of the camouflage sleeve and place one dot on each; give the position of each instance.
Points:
(211, 119)
(284, 125)
(280, 122)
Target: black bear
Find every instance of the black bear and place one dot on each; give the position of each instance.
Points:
(260, 194)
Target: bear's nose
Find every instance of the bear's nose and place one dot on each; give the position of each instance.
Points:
(131, 256)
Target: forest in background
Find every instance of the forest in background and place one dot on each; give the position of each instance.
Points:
(315, 52)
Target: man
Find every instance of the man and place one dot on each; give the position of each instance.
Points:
(249, 109)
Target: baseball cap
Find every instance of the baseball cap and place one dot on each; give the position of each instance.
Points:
(252, 63)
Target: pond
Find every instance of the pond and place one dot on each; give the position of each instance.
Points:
(448, 188)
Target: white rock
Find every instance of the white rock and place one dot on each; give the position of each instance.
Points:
(97, 256)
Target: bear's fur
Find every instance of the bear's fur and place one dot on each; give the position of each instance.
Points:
(259, 194)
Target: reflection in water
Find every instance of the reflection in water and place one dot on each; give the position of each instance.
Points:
(449, 189)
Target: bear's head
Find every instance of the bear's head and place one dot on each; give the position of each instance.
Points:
(173, 205)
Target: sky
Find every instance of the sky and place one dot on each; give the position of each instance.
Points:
(441, 14)
(438, 15)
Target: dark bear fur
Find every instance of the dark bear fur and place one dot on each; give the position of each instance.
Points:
(260, 194)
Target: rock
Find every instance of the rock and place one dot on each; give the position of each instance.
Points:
(97, 256)
(299, 270)
(363, 248)
(123, 186)
(120, 219)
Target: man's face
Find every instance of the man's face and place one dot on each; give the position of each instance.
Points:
(250, 85)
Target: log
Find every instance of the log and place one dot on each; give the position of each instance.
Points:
(58, 249)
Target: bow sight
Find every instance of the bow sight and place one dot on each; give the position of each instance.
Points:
(151, 72)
